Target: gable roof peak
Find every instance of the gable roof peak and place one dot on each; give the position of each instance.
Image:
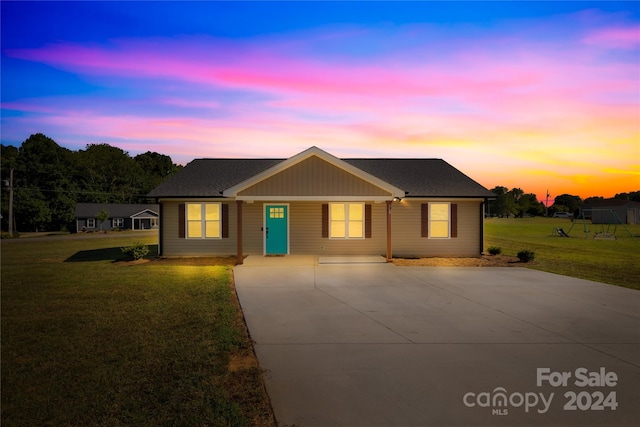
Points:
(304, 155)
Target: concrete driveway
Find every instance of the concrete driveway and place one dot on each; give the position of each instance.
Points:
(379, 345)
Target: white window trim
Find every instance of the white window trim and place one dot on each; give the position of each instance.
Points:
(346, 221)
(119, 220)
(448, 221)
(91, 223)
(202, 221)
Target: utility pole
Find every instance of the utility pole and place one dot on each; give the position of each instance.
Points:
(546, 205)
(11, 201)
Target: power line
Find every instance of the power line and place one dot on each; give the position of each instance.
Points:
(78, 191)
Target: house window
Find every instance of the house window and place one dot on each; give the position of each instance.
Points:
(117, 222)
(91, 223)
(203, 220)
(439, 220)
(346, 220)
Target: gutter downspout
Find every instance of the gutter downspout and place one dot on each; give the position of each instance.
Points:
(482, 205)
(160, 226)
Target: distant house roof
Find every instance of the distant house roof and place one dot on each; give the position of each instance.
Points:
(609, 203)
(417, 177)
(115, 210)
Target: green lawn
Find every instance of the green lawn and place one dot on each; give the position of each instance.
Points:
(610, 261)
(86, 341)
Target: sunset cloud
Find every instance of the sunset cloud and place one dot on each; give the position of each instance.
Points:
(621, 38)
(504, 104)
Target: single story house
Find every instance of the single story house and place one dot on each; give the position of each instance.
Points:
(121, 216)
(315, 203)
(612, 211)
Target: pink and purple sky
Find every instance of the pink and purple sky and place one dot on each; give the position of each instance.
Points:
(536, 95)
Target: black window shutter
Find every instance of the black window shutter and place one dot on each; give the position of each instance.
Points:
(225, 221)
(325, 220)
(424, 220)
(181, 224)
(454, 220)
(367, 221)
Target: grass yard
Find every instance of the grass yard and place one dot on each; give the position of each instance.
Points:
(86, 341)
(610, 261)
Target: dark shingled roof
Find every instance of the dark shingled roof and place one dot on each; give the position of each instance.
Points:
(210, 177)
(422, 177)
(417, 177)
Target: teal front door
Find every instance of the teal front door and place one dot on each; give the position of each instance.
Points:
(276, 230)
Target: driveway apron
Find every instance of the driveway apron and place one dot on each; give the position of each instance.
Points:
(379, 345)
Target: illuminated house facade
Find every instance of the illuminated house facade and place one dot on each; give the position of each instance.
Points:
(315, 203)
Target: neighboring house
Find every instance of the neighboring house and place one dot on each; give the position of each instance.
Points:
(121, 216)
(315, 203)
(612, 211)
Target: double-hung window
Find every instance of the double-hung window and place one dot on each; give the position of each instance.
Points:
(203, 221)
(91, 223)
(117, 222)
(439, 220)
(346, 220)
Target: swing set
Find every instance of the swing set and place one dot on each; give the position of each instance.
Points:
(613, 220)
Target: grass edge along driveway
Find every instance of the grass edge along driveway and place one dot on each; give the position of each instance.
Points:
(86, 341)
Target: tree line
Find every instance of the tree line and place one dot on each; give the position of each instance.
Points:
(518, 203)
(48, 180)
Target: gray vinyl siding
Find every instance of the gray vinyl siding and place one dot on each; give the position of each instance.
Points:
(252, 224)
(407, 241)
(173, 245)
(305, 232)
(313, 176)
(81, 224)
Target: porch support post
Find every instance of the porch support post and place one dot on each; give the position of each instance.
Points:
(389, 254)
(239, 256)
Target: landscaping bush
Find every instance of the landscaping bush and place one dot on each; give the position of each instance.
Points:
(6, 235)
(495, 250)
(136, 251)
(526, 256)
